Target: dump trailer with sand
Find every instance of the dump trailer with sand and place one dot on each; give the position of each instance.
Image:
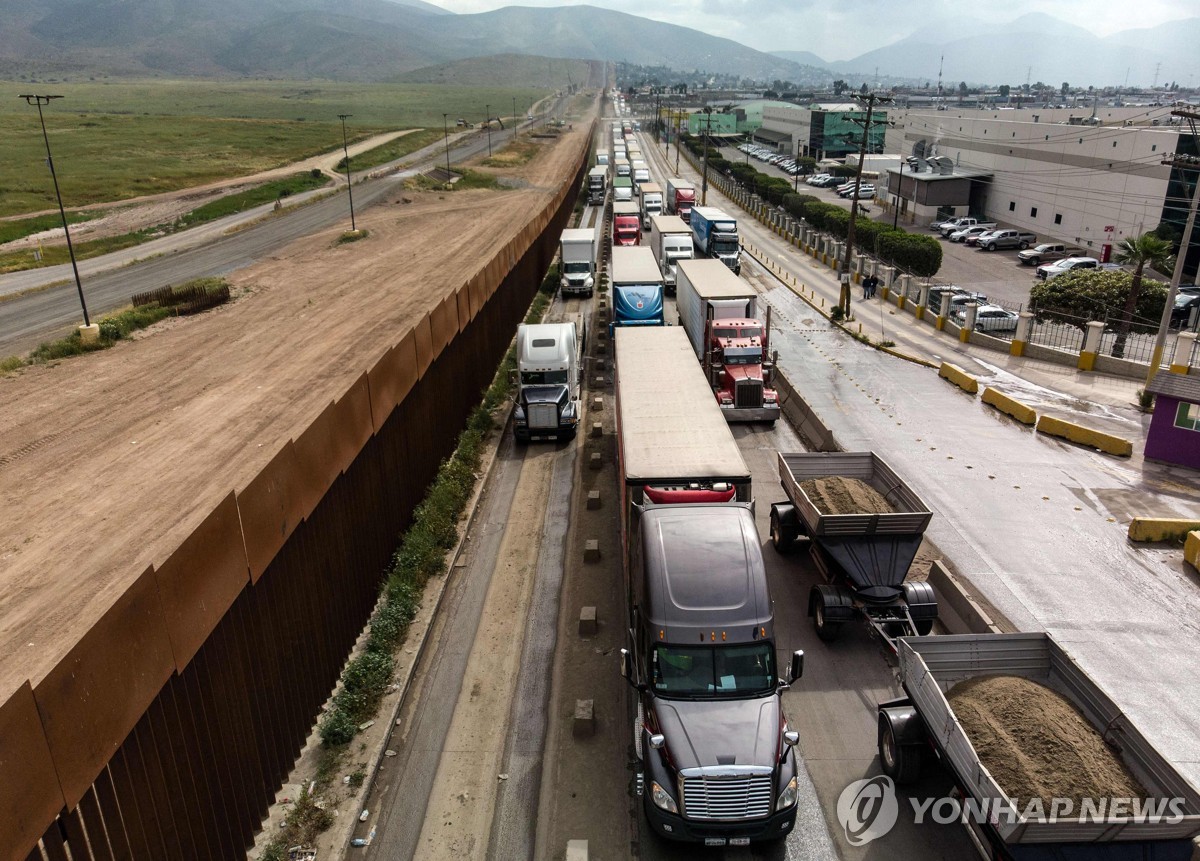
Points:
(863, 526)
(1047, 767)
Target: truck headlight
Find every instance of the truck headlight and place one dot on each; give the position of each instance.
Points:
(589, 281)
(563, 282)
(769, 399)
(663, 800)
(787, 798)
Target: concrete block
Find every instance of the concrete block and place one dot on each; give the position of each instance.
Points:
(585, 719)
(599, 382)
(1191, 550)
(1161, 528)
(1019, 411)
(597, 403)
(577, 850)
(595, 461)
(959, 377)
(587, 622)
(593, 500)
(597, 429)
(1106, 443)
(601, 346)
(591, 550)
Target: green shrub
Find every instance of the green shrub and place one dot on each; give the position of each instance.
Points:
(11, 364)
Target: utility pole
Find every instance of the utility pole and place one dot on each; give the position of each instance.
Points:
(679, 120)
(1185, 162)
(899, 193)
(45, 100)
(871, 99)
(488, 120)
(346, 151)
(704, 159)
(515, 122)
(446, 131)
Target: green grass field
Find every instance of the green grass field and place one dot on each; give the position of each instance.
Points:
(113, 140)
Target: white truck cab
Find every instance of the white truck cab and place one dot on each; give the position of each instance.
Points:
(547, 382)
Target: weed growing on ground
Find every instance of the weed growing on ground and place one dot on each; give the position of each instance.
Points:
(352, 236)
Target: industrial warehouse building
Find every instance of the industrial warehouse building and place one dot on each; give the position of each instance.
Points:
(1085, 179)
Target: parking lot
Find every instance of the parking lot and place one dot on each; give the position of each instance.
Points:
(996, 274)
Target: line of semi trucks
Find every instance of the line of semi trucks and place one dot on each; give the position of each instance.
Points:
(717, 762)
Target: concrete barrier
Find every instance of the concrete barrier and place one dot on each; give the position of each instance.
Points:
(1191, 550)
(1019, 411)
(1085, 436)
(960, 378)
(1161, 529)
(958, 612)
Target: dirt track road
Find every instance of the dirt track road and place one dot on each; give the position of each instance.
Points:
(159, 430)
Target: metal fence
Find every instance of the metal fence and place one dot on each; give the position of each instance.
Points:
(1057, 335)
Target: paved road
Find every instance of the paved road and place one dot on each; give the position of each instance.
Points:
(29, 319)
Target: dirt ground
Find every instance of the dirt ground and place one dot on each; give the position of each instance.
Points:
(127, 216)
(160, 429)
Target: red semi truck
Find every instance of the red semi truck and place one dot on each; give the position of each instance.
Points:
(719, 313)
(680, 198)
(627, 223)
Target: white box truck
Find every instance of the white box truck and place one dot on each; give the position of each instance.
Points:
(671, 241)
(547, 382)
(577, 261)
(651, 202)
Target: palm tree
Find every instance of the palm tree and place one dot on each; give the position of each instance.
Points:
(1147, 248)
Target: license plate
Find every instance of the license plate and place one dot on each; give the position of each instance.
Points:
(739, 841)
(714, 841)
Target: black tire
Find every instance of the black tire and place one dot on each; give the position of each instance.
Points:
(989, 247)
(901, 762)
(783, 535)
(924, 627)
(1022, 245)
(826, 630)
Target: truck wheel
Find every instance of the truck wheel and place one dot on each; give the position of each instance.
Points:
(783, 534)
(902, 763)
(826, 630)
(1022, 245)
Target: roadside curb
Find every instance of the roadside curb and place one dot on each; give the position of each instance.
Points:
(1023, 413)
(956, 375)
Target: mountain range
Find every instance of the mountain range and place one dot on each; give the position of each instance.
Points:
(380, 40)
(1032, 47)
(369, 40)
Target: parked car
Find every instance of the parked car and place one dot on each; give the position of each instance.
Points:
(975, 238)
(968, 233)
(1185, 304)
(1051, 270)
(1007, 239)
(990, 318)
(816, 178)
(1047, 252)
(958, 297)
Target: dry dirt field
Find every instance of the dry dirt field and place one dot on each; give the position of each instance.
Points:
(107, 461)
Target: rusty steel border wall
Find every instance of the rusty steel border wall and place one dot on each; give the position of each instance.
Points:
(168, 729)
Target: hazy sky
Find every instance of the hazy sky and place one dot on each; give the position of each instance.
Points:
(847, 29)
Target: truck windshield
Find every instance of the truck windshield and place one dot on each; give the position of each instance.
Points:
(743, 355)
(718, 672)
(537, 378)
(577, 267)
(725, 247)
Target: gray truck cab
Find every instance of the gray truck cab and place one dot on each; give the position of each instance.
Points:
(718, 764)
(547, 382)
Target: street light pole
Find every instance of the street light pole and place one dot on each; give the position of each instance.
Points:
(45, 100)
(446, 131)
(488, 120)
(349, 185)
(899, 192)
(704, 160)
(515, 123)
(1185, 243)
(844, 303)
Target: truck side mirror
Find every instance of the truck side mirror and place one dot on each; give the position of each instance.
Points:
(797, 668)
(791, 738)
(658, 741)
(626, 665)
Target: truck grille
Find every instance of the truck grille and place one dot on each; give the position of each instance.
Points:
(727, 798)
(543, 416)
(748, 393)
